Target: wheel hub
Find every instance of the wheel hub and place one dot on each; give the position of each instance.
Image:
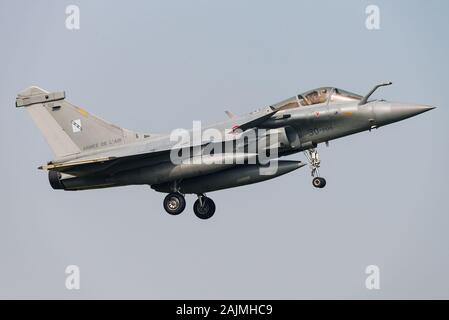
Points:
(173, 204)
(203, 209)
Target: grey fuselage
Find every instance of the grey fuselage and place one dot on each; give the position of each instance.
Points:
(325, 122)
(299, 128)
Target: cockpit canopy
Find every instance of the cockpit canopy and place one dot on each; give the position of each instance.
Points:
(317, 96)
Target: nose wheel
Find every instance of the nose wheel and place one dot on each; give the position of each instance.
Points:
(314, 163)
(319, 182)
(204, 207)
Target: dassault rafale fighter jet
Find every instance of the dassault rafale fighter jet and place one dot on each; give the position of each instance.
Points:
(91, 153)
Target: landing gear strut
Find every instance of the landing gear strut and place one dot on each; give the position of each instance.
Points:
(314, 163)
(204, 207)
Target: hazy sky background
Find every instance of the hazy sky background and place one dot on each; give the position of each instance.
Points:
(157, 65)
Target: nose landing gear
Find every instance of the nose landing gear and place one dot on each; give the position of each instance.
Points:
(319, 182)
(314, 163)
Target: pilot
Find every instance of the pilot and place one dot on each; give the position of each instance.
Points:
(314, 97)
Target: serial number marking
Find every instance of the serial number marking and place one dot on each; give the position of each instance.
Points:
(316, 131)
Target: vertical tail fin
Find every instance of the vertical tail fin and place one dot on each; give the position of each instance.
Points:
(69, 130)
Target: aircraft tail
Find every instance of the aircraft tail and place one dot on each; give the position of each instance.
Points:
(69, 130)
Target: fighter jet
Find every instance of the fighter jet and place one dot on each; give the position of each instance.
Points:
(90, 153)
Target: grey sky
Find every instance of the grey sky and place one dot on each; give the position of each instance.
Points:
(157, 65)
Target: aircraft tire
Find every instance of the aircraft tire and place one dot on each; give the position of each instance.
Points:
(174, 203)
(206, 211)
(319, 182)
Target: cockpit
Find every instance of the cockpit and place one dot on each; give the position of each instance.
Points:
(318, 96)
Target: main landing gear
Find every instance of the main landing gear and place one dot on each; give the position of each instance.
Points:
(204, 207)
(175, 203)
(314, 163)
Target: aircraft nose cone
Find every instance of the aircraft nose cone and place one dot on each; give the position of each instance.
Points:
(407, 111)
(399, 111)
